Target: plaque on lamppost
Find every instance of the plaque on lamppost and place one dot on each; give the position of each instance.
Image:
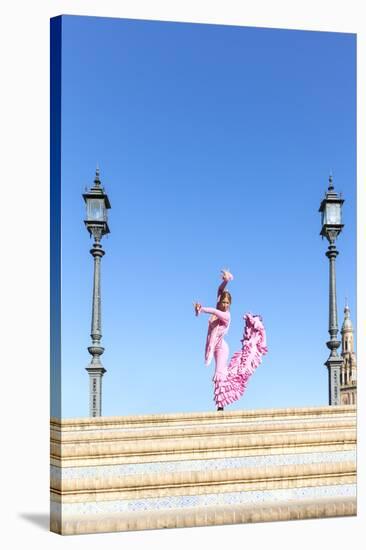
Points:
(331, 211)
(96, 222)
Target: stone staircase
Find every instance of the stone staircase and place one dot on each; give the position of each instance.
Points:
(216, 468)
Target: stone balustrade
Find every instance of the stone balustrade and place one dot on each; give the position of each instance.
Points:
(175, 470)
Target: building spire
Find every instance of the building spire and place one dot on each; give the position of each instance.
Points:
(347, 323)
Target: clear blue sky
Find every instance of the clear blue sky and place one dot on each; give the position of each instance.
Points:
(214, 145)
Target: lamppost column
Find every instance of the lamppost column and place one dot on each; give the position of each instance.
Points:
(334, 362)
(333, 344)
(95, 368)
(96, 326)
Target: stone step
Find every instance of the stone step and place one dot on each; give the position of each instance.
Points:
(204, 516)
(202, 482)
(215, 446)
(96, 436)
(214, 418)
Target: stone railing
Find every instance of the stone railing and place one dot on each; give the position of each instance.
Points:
(175, 470)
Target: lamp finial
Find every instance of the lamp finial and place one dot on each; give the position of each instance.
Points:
(97, 179)
(330, 180)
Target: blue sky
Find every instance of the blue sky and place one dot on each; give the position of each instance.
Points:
(214, 145)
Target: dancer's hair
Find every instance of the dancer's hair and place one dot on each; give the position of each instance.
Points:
(225, 294)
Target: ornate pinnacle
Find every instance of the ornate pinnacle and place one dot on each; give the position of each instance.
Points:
(96, 179)
(331, 186)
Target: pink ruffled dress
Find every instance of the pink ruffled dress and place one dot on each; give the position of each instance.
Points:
(230, 381)
(243, 363)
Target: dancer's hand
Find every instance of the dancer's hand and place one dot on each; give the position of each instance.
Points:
(226, 275)
(197, 307)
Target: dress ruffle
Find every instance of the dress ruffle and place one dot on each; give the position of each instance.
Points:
(242, 364)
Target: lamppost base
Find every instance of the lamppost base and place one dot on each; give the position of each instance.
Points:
(334, 365)
(95, 389)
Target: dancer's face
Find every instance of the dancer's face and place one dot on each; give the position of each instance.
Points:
(224, 305)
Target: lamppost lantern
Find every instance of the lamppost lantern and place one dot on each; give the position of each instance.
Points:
(96, 222)
(331, 213)
(97, 204)
(331, 220)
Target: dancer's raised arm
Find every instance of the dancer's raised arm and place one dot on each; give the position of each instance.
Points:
(226, 277)
(221, 289)
(222, 304)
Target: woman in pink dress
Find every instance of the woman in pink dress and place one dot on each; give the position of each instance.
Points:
(231, 380)
(218, 325)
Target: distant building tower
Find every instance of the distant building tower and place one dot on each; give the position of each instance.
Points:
(348, 379)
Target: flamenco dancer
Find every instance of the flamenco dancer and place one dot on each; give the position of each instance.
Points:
(230, 380)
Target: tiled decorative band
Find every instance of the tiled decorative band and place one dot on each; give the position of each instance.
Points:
(216, 499)
(201, 465)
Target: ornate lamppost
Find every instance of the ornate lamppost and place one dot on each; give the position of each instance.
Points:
(96, 222)
(331, 211)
